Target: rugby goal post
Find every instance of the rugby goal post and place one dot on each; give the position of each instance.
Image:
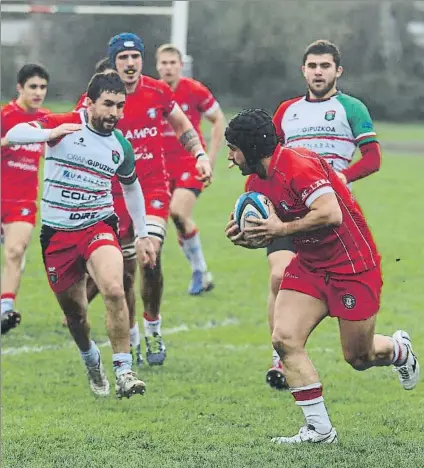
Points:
(178, 12)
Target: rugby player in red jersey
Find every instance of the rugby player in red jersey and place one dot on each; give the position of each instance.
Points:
(196, 101)
(333, 125)
(19, 177)
(335, 273)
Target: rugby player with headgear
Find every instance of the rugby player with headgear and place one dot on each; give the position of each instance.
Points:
(335, 273)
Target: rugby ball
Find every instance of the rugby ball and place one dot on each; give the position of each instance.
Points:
(251, 205)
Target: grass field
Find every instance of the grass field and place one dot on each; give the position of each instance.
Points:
(208, 406)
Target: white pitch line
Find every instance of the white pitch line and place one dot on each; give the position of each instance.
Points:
(166, 332)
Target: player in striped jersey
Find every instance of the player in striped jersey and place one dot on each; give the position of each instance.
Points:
(79, 227)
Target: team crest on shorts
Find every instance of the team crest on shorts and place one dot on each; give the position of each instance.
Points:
(349, 301)
(185, 175)
(25, 212)
(184, 107)
(330, 115)
(115, 156)
(53, 276)
(156, 204)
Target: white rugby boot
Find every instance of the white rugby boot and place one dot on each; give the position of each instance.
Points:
(408, 372)
(128, 384)
(97, 379)
(308, 434)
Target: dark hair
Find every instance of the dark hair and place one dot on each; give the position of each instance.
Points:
(322, 47)
(103, 65)
(30, 70)
(101, 82)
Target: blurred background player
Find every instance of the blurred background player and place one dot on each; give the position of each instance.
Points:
(149, 101)
(336, 272)
(79, 225)
(19, 177)
(332, 124)
(196, 101)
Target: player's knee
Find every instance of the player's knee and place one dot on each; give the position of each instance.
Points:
(358, 360)
(284, 341)
(114, 292)
(15, 252)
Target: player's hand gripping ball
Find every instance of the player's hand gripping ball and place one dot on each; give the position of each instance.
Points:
(252, 205)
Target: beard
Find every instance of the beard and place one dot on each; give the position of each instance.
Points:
(319, 93)
(103, 125)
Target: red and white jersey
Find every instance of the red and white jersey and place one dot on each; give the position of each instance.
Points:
(195, 99)
(296, 178)
(142, 124)
(19, 163)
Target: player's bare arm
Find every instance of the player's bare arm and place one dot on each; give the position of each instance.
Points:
(324, 212)
(217, 119)
(4, 142)
(189, 138)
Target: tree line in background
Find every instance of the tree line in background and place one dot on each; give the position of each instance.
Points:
(250, 53)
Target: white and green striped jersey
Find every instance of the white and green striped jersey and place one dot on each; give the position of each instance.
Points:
(333, 128)
(78, 170)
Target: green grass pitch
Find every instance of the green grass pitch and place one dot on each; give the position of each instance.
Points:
(209, 406)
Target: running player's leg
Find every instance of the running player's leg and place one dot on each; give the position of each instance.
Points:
(151, 294)
(130, 270)
(185, 194)
(356, 304)
(73, 302)
(299, 308)
(66, 274)
(280, 253)
(17, 235)
(105, 265)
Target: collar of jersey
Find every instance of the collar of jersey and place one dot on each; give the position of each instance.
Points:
(321, 100)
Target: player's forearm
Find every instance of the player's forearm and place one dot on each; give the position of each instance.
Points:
(4, 142)
(25, 133)
(323, 217)
(217, 138)
(185, 132)
(368, 164)
(134, 200)
(191, 142)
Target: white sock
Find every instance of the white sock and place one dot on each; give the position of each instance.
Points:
(7, 304)
(92, 356)
(310, 399)
(152, 327)
(122, 363)
(192, 248)
(135, 335)
(400, 354)
(275, 358)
